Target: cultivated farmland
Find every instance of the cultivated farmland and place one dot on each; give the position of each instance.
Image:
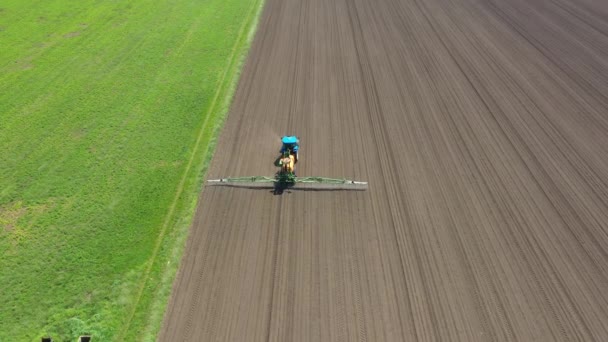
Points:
(107, 117)
(482, 128)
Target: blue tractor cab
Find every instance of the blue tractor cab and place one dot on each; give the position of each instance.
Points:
(291, 144)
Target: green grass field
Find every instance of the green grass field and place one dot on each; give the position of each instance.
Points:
(108, 112)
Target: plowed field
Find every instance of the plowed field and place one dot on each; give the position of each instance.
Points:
(482, 128)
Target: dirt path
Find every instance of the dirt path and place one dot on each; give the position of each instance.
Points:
(482, 129)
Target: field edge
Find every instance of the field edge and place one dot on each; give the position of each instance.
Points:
(178, 220)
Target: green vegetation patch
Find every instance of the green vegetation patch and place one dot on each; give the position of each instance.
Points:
(108, 112)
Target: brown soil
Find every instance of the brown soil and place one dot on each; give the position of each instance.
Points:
(482, 128)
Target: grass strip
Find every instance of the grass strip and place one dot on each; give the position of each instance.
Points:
(102, 108)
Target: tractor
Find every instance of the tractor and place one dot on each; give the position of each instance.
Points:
(288, 160)
(286, 176)
(291, 144)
